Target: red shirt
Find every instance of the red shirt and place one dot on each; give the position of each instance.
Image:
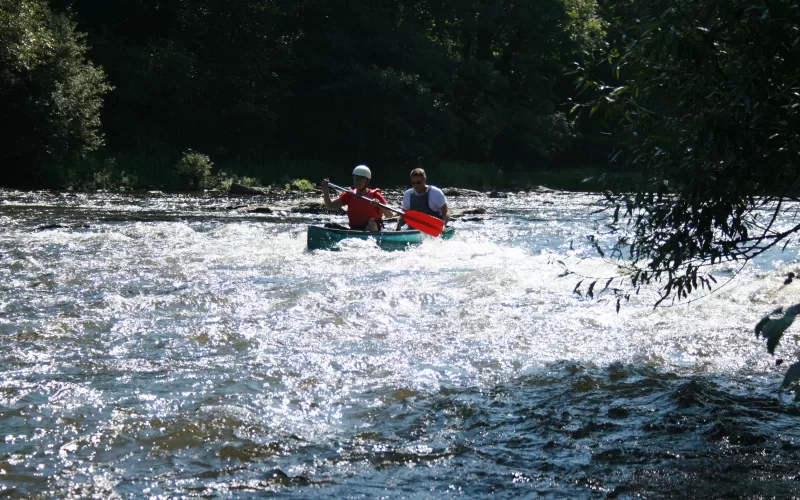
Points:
(359, 211)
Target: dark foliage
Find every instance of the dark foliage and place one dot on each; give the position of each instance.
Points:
(392, 82)
(705, 105)
(50, 95)
(707, 111)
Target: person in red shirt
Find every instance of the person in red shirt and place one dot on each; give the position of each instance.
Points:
(361, 214)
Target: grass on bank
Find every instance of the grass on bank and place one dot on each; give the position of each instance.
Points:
(193, 170)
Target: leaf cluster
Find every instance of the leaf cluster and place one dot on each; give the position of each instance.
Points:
(195, 169)
(302, 185)
(772, 327)
(703, 97)
(50, 94)
(706, 109)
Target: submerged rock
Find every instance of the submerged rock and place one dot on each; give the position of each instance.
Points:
(312, 207)
(473, 211)
(242, 189)
(259, 210)
(62, 226)
(455, 192)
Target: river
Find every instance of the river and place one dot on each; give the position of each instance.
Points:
(166, 346)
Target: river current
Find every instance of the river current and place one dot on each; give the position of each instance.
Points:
(169, 346)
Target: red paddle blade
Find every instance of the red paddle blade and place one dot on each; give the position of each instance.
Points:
(428, 224)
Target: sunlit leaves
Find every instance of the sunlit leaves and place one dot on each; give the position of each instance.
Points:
(791, 378)
(25, 41)
(773, 330)
(51, 95)
(772, 327)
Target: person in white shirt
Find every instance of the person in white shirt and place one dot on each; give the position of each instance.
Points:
(424, 198)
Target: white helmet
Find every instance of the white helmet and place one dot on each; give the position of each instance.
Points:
(363, 171)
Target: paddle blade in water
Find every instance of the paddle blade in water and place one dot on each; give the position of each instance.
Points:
(428, 224)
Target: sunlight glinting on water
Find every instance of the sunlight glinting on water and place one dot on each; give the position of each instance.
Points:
(440, 301)
(141, 350)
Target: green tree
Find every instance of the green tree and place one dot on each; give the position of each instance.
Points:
(194, 170)
(204, 74)
(469, 80)
(708, 109)
(50, 95)
(709, 115)
(367, 83)
(390, 81)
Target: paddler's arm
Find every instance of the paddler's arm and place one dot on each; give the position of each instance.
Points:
(385, 211)
(445, 210)
(406, 205)
(326, 197)
(379, 200)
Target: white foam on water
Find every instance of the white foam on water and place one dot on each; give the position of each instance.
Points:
(307, 335)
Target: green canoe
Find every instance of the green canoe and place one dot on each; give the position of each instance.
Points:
(320, 237)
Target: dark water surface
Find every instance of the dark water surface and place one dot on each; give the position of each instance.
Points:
(165, 346)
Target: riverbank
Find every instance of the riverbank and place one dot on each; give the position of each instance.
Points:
(192, 170)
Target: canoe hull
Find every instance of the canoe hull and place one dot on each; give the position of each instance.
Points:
(320, 237)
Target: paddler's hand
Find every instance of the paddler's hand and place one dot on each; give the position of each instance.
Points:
(324, 184)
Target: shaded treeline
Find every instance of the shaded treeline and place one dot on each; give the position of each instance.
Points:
(276, 88)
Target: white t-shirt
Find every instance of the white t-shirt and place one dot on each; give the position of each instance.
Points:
(436, 198)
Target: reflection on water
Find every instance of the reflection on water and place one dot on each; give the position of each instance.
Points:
(167, 346)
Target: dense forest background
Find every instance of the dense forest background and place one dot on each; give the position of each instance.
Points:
(170, 93)
(117, 91)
